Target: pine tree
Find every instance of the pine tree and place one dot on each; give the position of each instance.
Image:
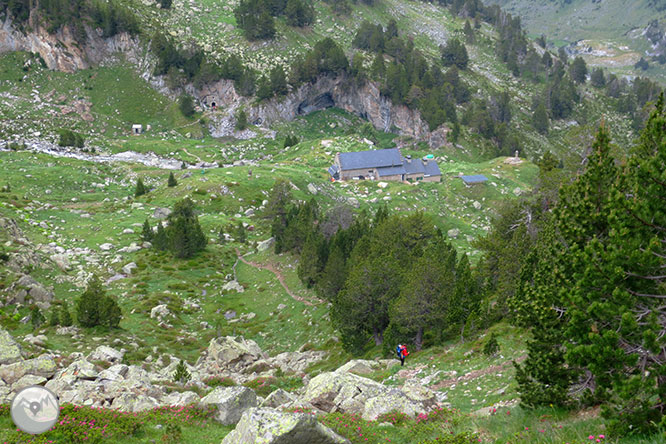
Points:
(241, 235)
(54, 319)
(147, 232)
(221, 238)
(309, 264)
(469, 32)
(597, 78)
(65, 316)
(279, 81)
(334, 274)
(578, 70)
(264, 89)
(160, 240)
(181, 375)
(184, 235)
(241, 120)
(171, 182)
(109, 312)
(87, 306)
(426, 294)
(140, 189)
(36, 317)
(540, 119)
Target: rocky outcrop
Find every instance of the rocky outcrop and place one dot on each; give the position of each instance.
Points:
(10, 351)
(364, 100)
(230, 353)
(230, 403)
(27, 289)
(354, 394)
(268, 426)
(61, 51)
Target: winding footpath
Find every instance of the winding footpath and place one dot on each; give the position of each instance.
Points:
(278, 274)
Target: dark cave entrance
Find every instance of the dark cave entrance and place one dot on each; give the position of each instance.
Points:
(322, 101)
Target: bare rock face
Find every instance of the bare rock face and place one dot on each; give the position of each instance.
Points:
(230, 353)
(28, 289)
(10, 351)
(60, 51)
(365, 101)
(354, 394)
(268, 426)
(230, 402)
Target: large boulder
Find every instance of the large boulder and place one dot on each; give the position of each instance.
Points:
(180, 399)
(355, 394)
(296, 362)
(43, 366)
(268, 426)
(360, 367)
(230, 402)
(230, 353)
(130, 402)
(278, 398)
(10, 351)
(106, 353)
(28, 289)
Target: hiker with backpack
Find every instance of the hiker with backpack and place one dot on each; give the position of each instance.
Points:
(402, 352)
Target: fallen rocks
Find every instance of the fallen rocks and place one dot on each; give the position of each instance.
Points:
(268, 426)
(230, 402)
(159, 312)
(354, 394)
(233, 286)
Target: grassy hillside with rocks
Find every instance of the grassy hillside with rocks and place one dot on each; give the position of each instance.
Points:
(206, 334)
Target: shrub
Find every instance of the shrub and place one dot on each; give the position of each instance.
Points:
(95, 308)
(491, 347)
(64, 316)
(70, 138)
(181, 374)
(241, 120)
(172, 182)
(186, 105)
(140, 189)
(218, 381)
(36, 317)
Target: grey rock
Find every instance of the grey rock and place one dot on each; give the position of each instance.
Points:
(161, 213)
(10, 351)
(268, 426)
(265, 245)
(105, 353)
(230, 402)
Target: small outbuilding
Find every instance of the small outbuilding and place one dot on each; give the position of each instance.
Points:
(137, 129)
(474, 179)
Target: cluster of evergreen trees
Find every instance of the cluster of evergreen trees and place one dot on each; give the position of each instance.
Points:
(583, 269)
(390, 276)
(256, 17)
(182, 236)
(95, 307)
(409, 79)
(70, 138)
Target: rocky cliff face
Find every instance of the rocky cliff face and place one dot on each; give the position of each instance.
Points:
(364, 101)
(60, 50)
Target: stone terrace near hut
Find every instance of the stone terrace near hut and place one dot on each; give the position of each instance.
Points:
(387, 164)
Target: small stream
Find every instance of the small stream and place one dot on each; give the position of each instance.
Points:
(149, 159)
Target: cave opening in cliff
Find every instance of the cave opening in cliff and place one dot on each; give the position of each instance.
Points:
(322, 101)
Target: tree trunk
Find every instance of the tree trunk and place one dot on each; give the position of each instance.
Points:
(462, 333)
(418, 342)
(379, 337)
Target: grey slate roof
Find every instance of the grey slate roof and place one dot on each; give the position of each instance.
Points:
(370, 159)
(414, 167)
(477, 178)
(333, 170)
(432, 169)
(391, 171)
